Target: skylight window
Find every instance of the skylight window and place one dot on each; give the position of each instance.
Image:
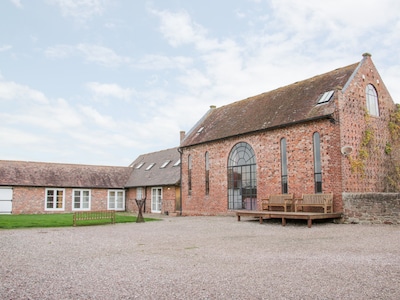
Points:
(150, 166)
(139, 165)
(178, 162)
(326, 97)
(165, 164)
(200, 130)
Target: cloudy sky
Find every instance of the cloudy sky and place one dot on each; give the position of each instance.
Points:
(103, 81)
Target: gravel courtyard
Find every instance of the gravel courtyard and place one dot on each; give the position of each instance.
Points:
(202, 258)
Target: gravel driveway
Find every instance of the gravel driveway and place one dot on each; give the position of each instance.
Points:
(202, 258)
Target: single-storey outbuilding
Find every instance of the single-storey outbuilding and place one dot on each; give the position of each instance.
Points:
(39, 187)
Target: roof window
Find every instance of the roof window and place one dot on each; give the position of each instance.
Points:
(150, 166)
(139, 165)
(326, 97)
(178, 162)
(165, 164)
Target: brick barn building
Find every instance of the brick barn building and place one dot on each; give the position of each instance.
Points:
(326, 134)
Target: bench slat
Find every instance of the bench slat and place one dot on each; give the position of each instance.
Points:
(278, 200)
(315, 200)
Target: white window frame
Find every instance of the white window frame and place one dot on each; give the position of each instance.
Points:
(150, 166)
(156, 199)
(165, 164)
(112, 201)
(139, 193)
(55, 190)
(81, 199)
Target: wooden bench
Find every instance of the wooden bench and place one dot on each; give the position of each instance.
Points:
(324, 201)
(279, 200)
(94, 215)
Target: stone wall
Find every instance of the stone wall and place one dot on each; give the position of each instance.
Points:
(374, 208)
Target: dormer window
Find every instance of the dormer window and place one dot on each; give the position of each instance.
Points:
(150, 166)
(326, 97)
(372, 100)
(165, 164)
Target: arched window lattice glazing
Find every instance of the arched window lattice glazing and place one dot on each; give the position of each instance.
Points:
(242, 177)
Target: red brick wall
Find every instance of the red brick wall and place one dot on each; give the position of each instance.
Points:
(31, 200)
(354, 122)
(266, 146)
(167, 201)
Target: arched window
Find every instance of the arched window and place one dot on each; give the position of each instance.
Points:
(284, 171)
(190, 174)
(242, 178)
(372, 100)
(207, 174)
(317, 163)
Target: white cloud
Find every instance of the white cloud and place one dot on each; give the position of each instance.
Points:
(5, 48)
(59, 51)
(110, 90)
(17, 92)
(99, 119)
(80, 10)
(179, 29)
(17, 3)
(101, 55)
(161, 62)
(91, 53)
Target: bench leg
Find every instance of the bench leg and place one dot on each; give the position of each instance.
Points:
(309, 223)
(238, 218)
(283, 221)
(261, 220)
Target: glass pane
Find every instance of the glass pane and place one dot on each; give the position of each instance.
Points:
(60, 198)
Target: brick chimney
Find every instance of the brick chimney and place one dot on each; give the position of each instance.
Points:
(182, 135)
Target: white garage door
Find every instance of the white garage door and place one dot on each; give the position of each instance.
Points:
(6, 194)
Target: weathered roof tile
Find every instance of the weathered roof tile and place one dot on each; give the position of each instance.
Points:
(169, 175)
(24, 173)
(286, 105)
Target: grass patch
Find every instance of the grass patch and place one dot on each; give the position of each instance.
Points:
(56, 220)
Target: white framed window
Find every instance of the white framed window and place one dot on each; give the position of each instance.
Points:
(326, 97)
(372, 100)
(116, 200)
(81, 199)
(55, 199)
(139, 193)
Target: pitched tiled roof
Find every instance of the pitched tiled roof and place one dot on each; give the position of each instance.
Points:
(169, 175)
(281, 107)
(23, 173)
